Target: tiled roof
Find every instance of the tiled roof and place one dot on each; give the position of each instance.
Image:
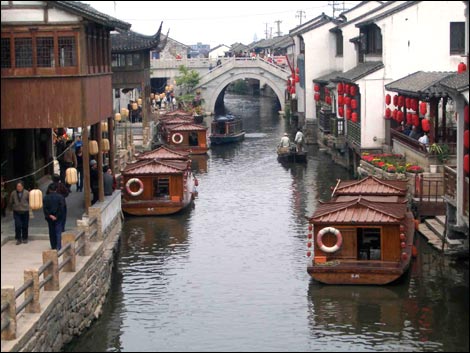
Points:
(178, 120)
(187, 127)
(358, 18)
(371, 198)
(387, 13)
(371, 186)
(151, 167)
(88, 12)
(164, 153)
(420, 84)
(311, 24)
(359, 211)
(360, 71)
(326, 78)
(456, 81)
(276, 42)
(132, 41)
(176, 112)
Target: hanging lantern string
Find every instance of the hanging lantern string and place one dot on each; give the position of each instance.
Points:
(43, 167)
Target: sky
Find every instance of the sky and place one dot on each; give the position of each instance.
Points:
(214, 22)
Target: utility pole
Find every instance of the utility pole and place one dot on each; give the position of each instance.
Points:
(337, 6)
(278, 22)
(300, 15)
(270, 32)
(266, 30)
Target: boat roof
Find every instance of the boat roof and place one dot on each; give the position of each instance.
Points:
(177, 112)
(178, 120)
(187, 127)
(371, 186)
(165, 153)
(154, 166)
(359, 211)
(228, 117)
(371, 198)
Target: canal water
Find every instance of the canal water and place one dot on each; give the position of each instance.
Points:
(230, 273)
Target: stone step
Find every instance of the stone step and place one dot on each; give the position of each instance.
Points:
(436, 227)
(431, 236)
(441, 220)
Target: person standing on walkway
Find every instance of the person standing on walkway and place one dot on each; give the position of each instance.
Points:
(299, 140)
(79, 154)
(94, 181)
(108, 181)
(54, 207)
(19, 201)
(61, 190)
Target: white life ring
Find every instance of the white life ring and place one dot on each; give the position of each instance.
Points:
(134, 193)
(329, 249)
(175, 140)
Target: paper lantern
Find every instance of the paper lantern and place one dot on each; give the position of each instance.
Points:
(124, 112)
(466, 141)
(465, 163)
(409, 118)
(407, 103)
(353, 103)
(71, 176)
(117, 117)
(316, 88)
(399, 116)
(104, 127)
(354, 117)
(347, 101)
(328, 100)
(416, 120)
(461, 68)
(394, 114)
(348, 114)
(105, 145)
(346, 88)
(388, 113)
(35, 199)
(93, 147)
(353, 90)
(340, 100)
(388, 99)
(414, 104)
(134, 106)
(423, 108)
(401, 101)
(316, 97)
(425, 125)
(341, 111)
(139, 101)
(395, 100)
(340, 88)
(152, 95)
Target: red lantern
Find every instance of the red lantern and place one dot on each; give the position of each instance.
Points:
(353, 90)
(465, 114)
(401, 101)
(425, 125)
(394, 114)
(407, 103)
(310, 227)
(341, 111)
(309, 253)
(402, 236)
(348, 114)
(403, 245)
(340, 100)
(292, 90)
(340, 88)
(388, 99)
(461, 68)
(395, 100)
(297, 79)
(466, 141)
(354, 117)
(404, 256)
(328, 100)
(414, 104)
(347, 101)
(309, 245)
(388, 113)
(416, 120)
(346, 88)
(316, 96)
(465, 163)
(409, 118)
(316, 88)
(423, 108)
(400, 116)
(353, 103)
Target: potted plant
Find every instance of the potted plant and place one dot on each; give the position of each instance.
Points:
(441, 152)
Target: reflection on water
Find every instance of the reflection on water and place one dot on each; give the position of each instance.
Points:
(230, 273)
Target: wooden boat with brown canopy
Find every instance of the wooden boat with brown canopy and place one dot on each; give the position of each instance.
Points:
(364, 235)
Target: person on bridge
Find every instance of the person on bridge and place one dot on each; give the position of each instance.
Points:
(299, 140)
(285, 141)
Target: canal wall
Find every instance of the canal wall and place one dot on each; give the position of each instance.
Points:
(68, 312)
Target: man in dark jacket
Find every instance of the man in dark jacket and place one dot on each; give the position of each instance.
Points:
(54, 208)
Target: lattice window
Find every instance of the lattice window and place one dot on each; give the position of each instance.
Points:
(67, 51)
(23, 52)
(45, 51)
(5, 53)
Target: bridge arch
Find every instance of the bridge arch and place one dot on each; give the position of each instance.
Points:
(211, 97)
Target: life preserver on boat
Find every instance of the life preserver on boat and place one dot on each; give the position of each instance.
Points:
(132, 181)
(177, 138)
(329, 249)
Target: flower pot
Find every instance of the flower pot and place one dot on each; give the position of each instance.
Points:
(433, 168)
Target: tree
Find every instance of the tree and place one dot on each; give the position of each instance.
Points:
(187, 81)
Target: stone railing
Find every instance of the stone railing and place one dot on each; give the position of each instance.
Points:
(73, 244)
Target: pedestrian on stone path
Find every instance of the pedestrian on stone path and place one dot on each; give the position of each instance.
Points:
(62, 190)
(19, 201)
(54, 208)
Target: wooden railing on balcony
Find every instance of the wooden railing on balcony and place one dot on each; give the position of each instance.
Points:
(428, 195)
(417, 146)
(450, 182)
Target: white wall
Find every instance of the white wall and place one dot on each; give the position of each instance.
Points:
(219, 52)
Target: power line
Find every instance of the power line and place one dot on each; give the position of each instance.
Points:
(300, 14)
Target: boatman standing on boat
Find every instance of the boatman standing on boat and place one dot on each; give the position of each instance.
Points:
(299, 140)
(285, 141)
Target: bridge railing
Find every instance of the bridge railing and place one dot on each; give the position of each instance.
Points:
(191, 63)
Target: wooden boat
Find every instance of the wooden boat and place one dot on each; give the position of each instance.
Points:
(187, 137)
(364, 235)
(290, 154)
(159, 183)
(227, 129)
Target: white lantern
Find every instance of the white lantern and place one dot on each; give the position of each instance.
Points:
(71, 176)
(139, 101)
(134, 106)
(93, 147)
(117, 117)
(105, 145)
(35, 199)
(104, 126)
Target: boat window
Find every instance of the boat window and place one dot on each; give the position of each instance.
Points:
(193, 140)
(161, 188)
(368, 244)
